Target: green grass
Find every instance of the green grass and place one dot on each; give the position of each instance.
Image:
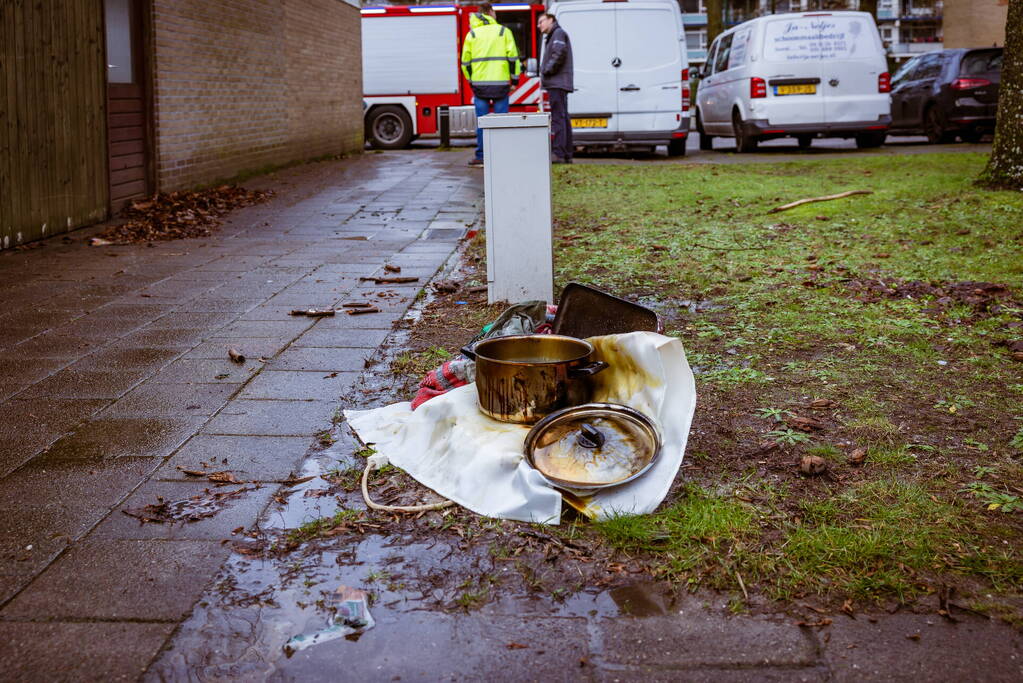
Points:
(315, 527)
(878, 539)
(417, 364)
(925, 384)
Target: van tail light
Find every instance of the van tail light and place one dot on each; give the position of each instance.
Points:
(757, 88)
(884, 82)
(969, 83)
(685, 90)
(545, 102)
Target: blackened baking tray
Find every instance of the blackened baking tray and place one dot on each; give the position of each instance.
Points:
(587, 312)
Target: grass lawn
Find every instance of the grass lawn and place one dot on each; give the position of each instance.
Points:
(876, 328)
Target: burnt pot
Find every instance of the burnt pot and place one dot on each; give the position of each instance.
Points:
(523, 378)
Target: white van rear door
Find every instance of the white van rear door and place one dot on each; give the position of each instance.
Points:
(650, 75)
(792, 68)
(592, 31)
(850, 72)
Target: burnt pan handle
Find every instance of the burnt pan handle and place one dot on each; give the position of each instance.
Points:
(587, 370)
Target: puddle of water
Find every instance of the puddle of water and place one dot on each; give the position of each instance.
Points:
(671, 307)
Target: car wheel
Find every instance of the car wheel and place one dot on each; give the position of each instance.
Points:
(389, 127)
(934, 129)
(870, 140)
(804, 141)
(744, 143)
(972, 136)
(677, 147)
(706, 141)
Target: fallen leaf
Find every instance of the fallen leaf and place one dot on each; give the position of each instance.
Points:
(292, 481)
(516, 646)
(822, 404)
(223, 478)
(858, 456)
(915, 636)
(446, 286)
(805, 424)
(812, 465)
(848, 608)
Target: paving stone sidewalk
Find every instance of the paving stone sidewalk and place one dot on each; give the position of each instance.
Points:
(115, 377)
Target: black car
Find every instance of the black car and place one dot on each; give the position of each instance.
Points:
(947, 93)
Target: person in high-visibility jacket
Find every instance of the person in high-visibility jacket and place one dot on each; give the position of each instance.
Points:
(490, 62)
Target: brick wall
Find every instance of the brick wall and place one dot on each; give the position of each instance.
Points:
(974, 23)
(243, 84)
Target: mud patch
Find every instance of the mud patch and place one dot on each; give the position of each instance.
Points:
(985, 298)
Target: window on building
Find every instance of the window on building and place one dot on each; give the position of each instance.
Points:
(119, 53)
(693, 6)
(696, 40)
(920, 33)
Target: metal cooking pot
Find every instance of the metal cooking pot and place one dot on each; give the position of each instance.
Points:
(522, 378)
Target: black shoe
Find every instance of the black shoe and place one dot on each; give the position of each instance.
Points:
(476, 162)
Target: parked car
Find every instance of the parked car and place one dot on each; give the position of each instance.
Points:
(802, 75)
(631, 73)
(948, 93)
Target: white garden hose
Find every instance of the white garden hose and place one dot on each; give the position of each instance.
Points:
(375, 462)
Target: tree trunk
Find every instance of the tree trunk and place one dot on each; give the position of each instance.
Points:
(715, 21)
(1005, 167)
(869, 6)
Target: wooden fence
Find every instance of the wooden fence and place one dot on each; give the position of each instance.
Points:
(53, 134)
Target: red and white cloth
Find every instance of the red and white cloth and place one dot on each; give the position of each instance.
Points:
(519, 319)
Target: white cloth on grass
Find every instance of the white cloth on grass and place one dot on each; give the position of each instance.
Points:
(465, 456)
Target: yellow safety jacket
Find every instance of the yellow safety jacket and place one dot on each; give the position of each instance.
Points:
(490, 59)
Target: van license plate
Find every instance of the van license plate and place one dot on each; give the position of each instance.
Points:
(589, 123)
(807, 89)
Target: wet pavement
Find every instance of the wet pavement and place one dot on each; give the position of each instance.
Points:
(115, 386)
(115, 382)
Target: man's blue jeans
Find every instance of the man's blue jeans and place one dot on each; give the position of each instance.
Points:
(482, 109)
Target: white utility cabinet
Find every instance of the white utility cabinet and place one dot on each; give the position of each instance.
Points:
(517, 193)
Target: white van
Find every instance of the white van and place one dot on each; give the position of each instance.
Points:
(807, 75)
(631, 73)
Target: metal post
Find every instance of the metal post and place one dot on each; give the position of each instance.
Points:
(444, 116)
(517, 194)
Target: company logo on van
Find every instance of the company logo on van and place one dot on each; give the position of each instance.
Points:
(819, 25)
(813, 39)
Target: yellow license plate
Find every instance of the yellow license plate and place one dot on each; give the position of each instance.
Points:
(589, 123)
(808, 89)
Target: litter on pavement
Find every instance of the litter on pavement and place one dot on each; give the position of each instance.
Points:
(349, 614)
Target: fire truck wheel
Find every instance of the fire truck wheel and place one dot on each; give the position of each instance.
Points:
(389, 127)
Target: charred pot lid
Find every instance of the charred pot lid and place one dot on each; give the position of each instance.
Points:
(593, 446)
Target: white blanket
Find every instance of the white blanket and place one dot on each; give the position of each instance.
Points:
(451, 447)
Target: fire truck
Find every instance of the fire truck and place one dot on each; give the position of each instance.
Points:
(411, 58)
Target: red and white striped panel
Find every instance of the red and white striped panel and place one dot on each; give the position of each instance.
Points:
(527, 93)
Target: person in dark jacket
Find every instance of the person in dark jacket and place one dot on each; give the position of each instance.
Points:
(556, 78)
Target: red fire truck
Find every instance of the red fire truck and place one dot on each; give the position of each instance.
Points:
(411, 59)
